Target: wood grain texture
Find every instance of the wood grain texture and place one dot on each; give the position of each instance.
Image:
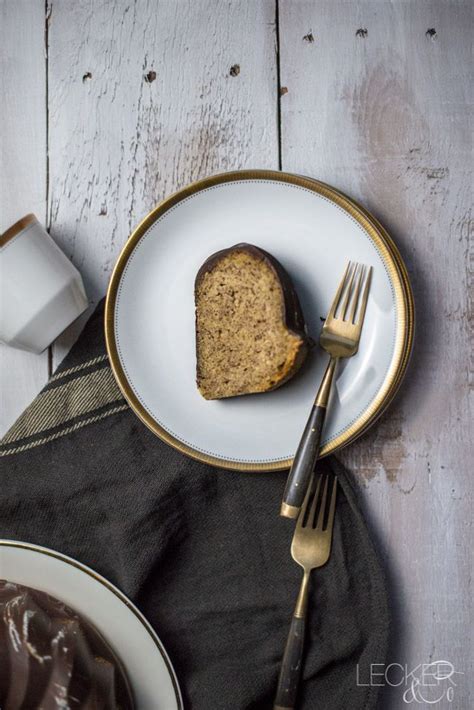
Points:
(23, 170)
(144, 99)
(379, 107)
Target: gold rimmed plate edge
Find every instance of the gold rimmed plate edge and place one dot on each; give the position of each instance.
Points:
(398, 275)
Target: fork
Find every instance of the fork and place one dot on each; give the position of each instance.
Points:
(340, 338)
(310, 548)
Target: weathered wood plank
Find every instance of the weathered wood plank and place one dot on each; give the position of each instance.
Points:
(145, 98)
(23, 171)
(376, 102)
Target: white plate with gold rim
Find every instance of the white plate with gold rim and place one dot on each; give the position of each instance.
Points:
(313, 230)
(121, 624)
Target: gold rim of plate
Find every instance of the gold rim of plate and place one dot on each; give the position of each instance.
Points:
(397, 273)
(116, 591)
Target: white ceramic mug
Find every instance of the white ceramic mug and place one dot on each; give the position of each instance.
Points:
(41, 292)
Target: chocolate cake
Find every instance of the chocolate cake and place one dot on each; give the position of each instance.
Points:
(51, 658)
(250, 330)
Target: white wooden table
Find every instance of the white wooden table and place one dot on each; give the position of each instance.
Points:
(109, 105)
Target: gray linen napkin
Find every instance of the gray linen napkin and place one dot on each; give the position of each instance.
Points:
(202, 551)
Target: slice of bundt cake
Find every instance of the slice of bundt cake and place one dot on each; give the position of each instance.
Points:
(250, 331)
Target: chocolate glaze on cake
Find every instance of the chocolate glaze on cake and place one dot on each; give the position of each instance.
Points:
(51, 658)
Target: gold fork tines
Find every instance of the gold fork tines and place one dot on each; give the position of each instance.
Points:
(340, 337)
(353, 292)
(311, 548)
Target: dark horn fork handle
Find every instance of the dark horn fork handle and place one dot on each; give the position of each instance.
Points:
(308, 449)
(291, 667)
(290, 671)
